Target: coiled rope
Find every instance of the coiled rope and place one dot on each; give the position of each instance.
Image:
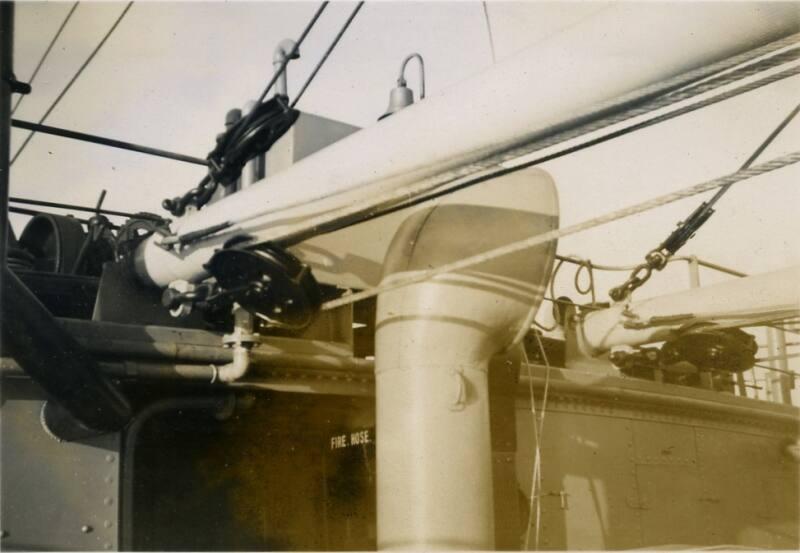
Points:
(766, 167)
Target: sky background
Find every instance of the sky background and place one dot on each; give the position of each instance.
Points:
(171, 71)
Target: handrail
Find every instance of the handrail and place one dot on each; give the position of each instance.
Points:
(688, 258)
(694, 264)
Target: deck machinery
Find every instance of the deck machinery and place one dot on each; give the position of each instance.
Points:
(205, 384)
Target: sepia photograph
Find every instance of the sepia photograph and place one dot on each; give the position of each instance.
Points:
(399, 275)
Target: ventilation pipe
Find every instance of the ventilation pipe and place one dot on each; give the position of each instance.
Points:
(433, 344)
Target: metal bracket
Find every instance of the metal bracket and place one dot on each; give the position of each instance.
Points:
(18, 87)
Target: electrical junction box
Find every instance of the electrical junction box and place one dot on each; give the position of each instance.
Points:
(309, 134)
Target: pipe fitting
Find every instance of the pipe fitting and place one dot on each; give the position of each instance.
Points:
(241, 340)
(236, 369)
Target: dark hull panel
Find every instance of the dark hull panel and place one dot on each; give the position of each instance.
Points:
(625, 464)
(641, 467)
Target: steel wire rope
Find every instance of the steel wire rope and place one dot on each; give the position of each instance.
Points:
(533, 500)
(671, 98)
(74, 79)
(46, 53)
(659, 201)
(327, 53)
(442, 189)
(777, 357)
(489, 29)
(656, 260)
(34, 212)
(110, 142)
(243, 126)
(758, 151)
(310, 25)
(538, 432)
(647, 100)
(144, 149)
(356, 213)
(777, 370)
(59, 205)
(475, 173)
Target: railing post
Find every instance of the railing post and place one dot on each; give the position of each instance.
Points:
(694, 272)
(779, 389)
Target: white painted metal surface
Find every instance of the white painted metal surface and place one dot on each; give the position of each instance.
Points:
(524, 98)
(754, 298)
(433, 344)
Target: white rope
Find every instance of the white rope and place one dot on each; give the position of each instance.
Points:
(599, 116)
(535, 504)
(534, 507)
(623, 213)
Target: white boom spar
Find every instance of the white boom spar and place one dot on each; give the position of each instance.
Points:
(558, 81)
(756, 299)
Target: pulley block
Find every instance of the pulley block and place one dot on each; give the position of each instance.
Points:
(720, 352)
(730, 350)
(54, 241)
(268, 281)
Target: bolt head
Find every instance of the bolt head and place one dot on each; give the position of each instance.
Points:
(86, 529)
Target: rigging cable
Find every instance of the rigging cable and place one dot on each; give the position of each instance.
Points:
(103, 141)
(777, 370)
(58, 205)
(659, 201)
(489, 29)
(479, 177)
(638, 102)
(34, 212)
(657, 258)
(534, 505)
(73, 79)
(250, 136)
(538, 433)
(249, 117)
(46, 53)
(333, 44)
(489, 168)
